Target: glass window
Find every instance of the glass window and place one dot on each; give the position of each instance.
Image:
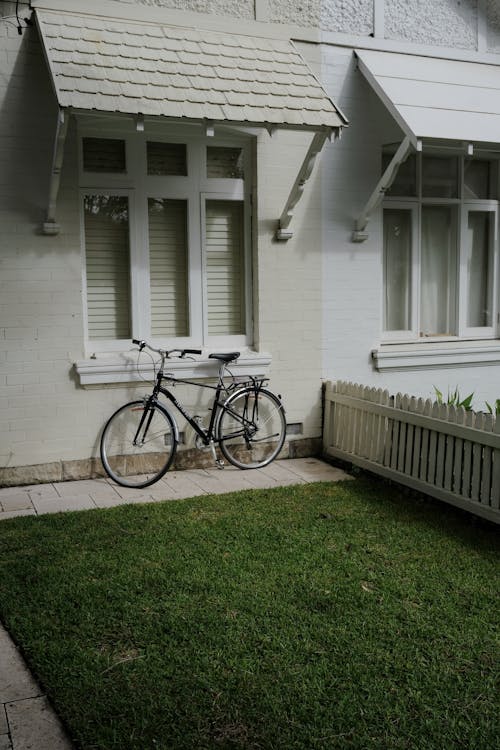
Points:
(437, 285)
(225, 267)
(166, 159)
(405, 182)
(104, 155)
(167, 259)
(225, 162)
(168, 266)
(440, 252)
(477, 179)
(439, 177)
(397, 269)
(479, 269)
(107, 258)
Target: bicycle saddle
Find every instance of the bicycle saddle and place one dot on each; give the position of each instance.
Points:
(225, 357)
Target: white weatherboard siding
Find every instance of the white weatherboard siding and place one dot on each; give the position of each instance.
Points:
(435, 98)
(352, 272)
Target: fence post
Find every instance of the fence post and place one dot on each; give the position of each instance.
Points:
(495, 479)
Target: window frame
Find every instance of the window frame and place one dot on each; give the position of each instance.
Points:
(195, 188)
(462, 205)
(414, 291)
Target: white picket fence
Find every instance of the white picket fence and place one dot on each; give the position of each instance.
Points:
(443, 451)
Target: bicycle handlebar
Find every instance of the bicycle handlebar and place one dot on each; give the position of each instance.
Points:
(165, 352)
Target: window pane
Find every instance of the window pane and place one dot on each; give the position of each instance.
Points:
(439, 177)
(168, 259)
(225, 162)
(477, 179)
(104, 155)
(438, 271)
(479, 276)
(405, 182)
(397, 269)
(107, 256)
(225, 267)
(167, 159)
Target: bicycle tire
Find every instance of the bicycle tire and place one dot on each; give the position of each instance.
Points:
(132, 463)
(251, 429)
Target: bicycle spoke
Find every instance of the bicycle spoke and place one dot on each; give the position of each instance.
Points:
(252, 428)
(137, 447)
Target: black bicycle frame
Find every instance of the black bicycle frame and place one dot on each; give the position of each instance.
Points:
(206, 435)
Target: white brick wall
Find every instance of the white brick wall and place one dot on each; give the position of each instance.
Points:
(317, 297)
(46, 415)
(289, 279)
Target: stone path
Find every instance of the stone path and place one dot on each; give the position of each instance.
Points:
(27, 721)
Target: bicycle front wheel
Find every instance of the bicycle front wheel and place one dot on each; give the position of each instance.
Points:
(138, 444)
(252, 428)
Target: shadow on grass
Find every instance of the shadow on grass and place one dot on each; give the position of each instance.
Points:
(316, 616)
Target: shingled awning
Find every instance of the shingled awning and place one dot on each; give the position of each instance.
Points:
(153, 70)
(111, 65)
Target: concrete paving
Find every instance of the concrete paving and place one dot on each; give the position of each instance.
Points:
(27, 721)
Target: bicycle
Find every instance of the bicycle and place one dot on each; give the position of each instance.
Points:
(247, 421)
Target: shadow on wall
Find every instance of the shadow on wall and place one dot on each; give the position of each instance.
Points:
(28, 116)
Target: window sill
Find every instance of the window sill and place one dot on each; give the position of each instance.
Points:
(426, 356)
(108, 369)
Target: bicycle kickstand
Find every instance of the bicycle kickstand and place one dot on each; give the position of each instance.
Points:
(218, 461)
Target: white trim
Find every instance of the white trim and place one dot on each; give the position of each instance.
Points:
(414, 290)
(125, 368)
(379, 19)
(405, 147)
(194, 188)
(436, 356)
(283, 231)
(461, 207)
(482, 26)
(50, 226)
(99, 345)
(486, 331)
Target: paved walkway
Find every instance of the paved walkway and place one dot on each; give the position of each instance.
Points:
(27, 721)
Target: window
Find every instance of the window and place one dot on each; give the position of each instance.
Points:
(166, 237)
(440, 259)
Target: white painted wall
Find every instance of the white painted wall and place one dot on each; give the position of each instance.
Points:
(317, 297)
(352, 272)
(46, 415)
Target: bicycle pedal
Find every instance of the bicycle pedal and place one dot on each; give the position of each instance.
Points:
(220, 463)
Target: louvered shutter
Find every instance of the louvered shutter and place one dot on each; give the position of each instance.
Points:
(224, 247)
(168, 267)
(107, 254)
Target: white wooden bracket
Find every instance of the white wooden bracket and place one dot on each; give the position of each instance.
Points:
(50, 226)
(359, 234)
(283, 231)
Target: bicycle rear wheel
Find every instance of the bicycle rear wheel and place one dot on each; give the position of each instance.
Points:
(252, 428)
(138, 444)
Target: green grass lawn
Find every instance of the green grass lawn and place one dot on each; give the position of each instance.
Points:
(317, 616)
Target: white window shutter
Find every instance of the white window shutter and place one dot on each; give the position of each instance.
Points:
(168, 267)
(224, 247)
(107, 255)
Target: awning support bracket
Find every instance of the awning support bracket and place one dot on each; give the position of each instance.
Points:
(359, 234)
(50, 226)
(283, 232)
